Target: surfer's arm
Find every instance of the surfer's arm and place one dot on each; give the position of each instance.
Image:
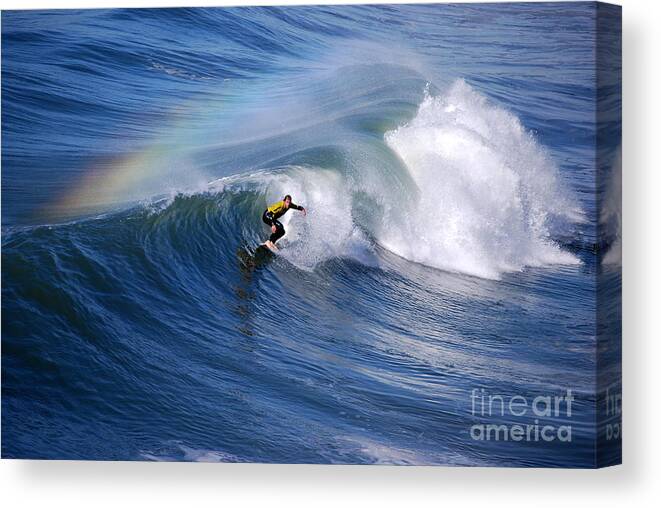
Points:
(299, 208)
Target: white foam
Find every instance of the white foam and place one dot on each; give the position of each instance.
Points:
(611, 211)
(487, 189)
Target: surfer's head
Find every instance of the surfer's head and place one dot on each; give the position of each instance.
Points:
(287, 200)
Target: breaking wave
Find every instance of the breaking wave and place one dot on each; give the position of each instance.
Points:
(472, 192)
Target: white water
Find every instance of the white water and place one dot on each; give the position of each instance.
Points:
(487, 190)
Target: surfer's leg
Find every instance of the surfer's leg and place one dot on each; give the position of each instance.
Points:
(279, 232)
(270, 243)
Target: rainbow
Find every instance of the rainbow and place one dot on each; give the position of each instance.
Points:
(157, 168)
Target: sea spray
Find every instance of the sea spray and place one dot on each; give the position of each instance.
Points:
(488, 190)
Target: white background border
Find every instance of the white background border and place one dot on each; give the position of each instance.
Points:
(117, 484)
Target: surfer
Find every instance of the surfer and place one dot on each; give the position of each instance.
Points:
(271, 216)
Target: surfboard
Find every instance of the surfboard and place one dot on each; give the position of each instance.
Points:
(251, 260)
(264, 245)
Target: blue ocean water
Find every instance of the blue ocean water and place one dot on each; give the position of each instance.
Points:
(459, 227)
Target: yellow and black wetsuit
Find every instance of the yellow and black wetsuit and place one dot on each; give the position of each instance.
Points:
(273, 213)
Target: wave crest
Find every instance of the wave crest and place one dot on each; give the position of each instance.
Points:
(488, 191)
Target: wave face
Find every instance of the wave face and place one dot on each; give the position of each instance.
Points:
(448, 244)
